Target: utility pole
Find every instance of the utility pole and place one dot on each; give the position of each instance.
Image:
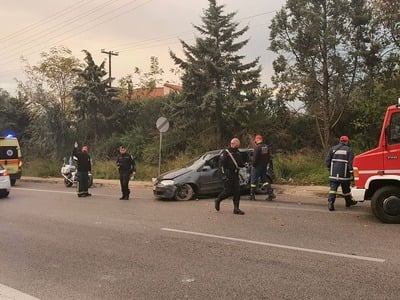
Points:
(110, 53)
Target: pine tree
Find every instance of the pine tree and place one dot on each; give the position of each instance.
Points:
(218, 89)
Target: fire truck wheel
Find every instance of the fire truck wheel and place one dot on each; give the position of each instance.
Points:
(385, 204)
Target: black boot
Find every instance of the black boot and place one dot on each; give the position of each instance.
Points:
(350, 202)
(217, 204)
(252, 194)
(122, 197)
(331, 207)
(271, 196)
(236, 209)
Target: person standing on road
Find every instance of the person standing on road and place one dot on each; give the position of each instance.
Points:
(339, 162)
(127, 168)
(84, 166)
(261, 159)
(230, 162)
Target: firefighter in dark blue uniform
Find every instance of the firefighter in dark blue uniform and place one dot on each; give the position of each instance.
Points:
(127, 168)
(339, 162)
(261, 158)
(84, 166)
(230, 162)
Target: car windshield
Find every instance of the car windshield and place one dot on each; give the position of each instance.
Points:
(198, 162)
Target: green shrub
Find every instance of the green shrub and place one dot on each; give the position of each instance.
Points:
(300, 168)
(42, 168)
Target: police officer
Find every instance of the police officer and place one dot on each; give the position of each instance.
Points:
(84, 166)
(230, 162)
(127, 168)
(261, 158)
(339, 162)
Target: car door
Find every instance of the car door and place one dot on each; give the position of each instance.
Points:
(210, 177)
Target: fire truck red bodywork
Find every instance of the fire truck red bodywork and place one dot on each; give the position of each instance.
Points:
(377, 171)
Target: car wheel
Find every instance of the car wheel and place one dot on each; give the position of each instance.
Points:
(4, 193)
(67, 183)
(385, 204)
(184, 192)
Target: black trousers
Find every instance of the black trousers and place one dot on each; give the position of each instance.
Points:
(231, 187)
(83, 183)
(124, 178)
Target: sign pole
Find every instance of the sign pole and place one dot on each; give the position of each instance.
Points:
(162, 125)
(159, 155)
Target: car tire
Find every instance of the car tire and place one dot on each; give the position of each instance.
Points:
(184, 192)
(385, 204)
(4, 193)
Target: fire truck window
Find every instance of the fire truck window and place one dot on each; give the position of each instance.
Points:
(394, 137)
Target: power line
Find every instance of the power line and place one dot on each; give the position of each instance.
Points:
(33, 38)
(31, 27)
(11, 58)
(149, 43)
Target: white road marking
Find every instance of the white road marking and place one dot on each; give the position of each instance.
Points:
(74, 193)
(7, 293)
(373, 259)
(47, 191)
(325, 210)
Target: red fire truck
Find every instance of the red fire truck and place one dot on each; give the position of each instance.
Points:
(377, 171)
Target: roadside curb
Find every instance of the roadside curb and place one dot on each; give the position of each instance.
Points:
(279, 188)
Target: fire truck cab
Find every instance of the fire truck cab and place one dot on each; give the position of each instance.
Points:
(377, 171)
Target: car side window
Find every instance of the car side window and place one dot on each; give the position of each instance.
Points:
(213, 163)
(246, 156)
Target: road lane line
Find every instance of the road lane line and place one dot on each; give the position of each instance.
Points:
(324, 210)
(47, 191)
(7, 293)
(373, 259)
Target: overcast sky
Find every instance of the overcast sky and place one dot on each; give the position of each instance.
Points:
(136, 29)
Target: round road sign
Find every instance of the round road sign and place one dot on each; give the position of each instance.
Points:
(162, 124)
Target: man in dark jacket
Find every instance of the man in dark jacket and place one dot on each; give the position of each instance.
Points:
(84, 166)
(126, 167)
(230, 162)
(261, 159)
(339, 162)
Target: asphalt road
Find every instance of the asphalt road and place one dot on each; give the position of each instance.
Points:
(54, 245)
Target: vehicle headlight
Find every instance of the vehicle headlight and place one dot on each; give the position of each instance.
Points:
(167, 182)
